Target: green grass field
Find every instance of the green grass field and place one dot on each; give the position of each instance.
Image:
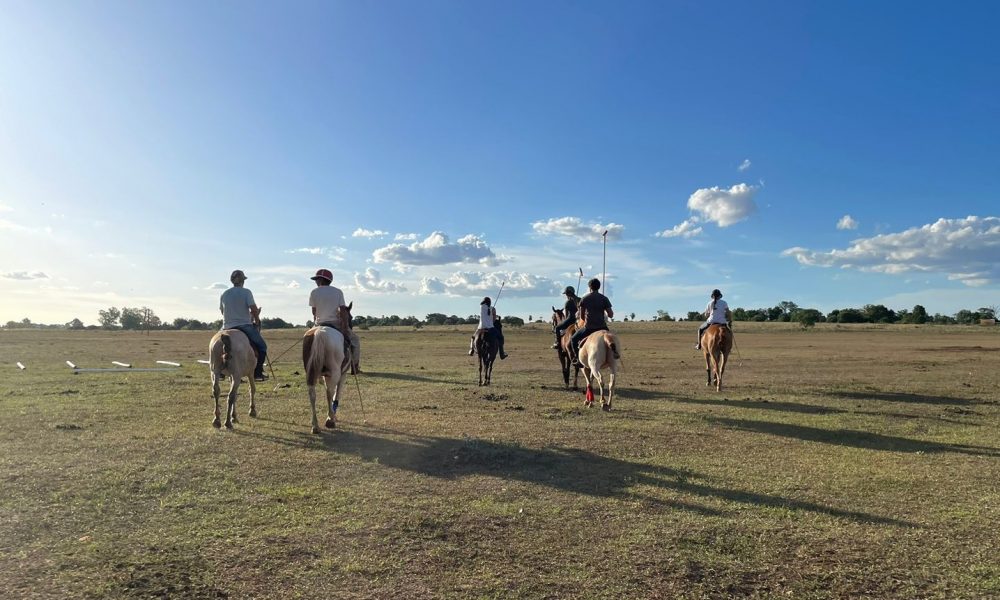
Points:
(838, 462)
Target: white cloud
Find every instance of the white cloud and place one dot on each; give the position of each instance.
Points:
(24, 275)
(469, 283)
(437, 250)
(744, 165)
(5, 208)
(332, 252)
(724, 207)
(13, 227)
(965, 250)
(218, 285)
(847, 222)
(687, 229)
(407, 237)
(371, 281)
(293, 285)
(576, 228)
(369, 233)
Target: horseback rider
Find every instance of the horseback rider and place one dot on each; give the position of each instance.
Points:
(717, 313)
(489, 324)
(326, 301)
(593, 307)
(572, 301)
(239, 311)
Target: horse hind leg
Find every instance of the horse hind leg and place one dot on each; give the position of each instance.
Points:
(231, 407)
(312, 405)
(331, 401)
(217, 423)
(253, 398)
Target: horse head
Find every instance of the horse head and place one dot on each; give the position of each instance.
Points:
(557, 316)
(344, 313)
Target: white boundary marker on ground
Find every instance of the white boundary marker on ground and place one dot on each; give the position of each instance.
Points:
(120, 369)
(204, 362)
(20, 366)
(121, 364)
(71, 365)
(167, 362)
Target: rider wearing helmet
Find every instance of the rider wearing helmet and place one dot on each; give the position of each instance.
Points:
(572, 302)
(717, 312)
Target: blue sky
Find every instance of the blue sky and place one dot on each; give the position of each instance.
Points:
(833, 155)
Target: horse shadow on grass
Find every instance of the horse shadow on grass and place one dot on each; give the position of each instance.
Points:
(412, 377)
(809, 409)
(568, 469)
(852, 438)
(899, 397)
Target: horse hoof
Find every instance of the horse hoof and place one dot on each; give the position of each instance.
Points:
(606, 407)
(253, 412)
(331, 424)
(235, 420)
(229, 425)
(217, 423)
(315, 429)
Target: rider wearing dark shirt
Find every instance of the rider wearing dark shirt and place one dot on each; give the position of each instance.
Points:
(593, 307)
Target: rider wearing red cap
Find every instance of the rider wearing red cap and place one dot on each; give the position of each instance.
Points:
(326, 301)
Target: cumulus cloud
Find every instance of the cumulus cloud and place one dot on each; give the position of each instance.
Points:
(24, 275)
(470, 283)
(371, 281)
(293, 285)
(744, 165)
(687, 229)
(332, 252)
(436, 249)
(965, 250)
(576, 228)
(724, 207)
(847, 222)
(407, 237)
(369, 233)
(218, 285)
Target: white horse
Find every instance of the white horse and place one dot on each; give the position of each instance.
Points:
(599, 351)
(231, 354)
(323, 356)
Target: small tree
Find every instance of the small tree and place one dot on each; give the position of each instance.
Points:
(109, 318)
(693, 315)
(75, 324)
(662, 315)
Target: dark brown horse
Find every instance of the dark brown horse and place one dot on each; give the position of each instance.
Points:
(558, 315)
(716, 343)
(487, 346)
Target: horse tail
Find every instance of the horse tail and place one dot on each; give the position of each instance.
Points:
(317, 357)
(227, 350)
(612, 342)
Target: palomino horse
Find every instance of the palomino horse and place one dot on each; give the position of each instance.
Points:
(487, 346)
(558, 315)
(231, 354)
(323, 357)
(600, 351)
(716, 343)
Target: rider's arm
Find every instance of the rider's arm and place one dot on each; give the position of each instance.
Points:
(255, 314)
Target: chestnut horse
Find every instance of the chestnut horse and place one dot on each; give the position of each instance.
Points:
(716, 343)
(558, 315)
(323, 356)
(600, 351)
(231, 354)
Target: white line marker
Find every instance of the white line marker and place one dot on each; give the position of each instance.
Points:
(118, 369)
(167, 362)
(121, 364)
(71, 365)
(204, 362)
(20, 366)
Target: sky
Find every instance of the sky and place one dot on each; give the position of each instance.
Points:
(829, 154)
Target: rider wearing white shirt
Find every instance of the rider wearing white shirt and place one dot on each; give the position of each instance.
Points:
(717, 312)
(326, 301)
(490, 324)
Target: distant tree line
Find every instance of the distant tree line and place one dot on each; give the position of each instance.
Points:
(788, 311)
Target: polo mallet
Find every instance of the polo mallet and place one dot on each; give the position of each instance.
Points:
(270, 361)
(604, 277)
(502, 283)
(578, 280)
